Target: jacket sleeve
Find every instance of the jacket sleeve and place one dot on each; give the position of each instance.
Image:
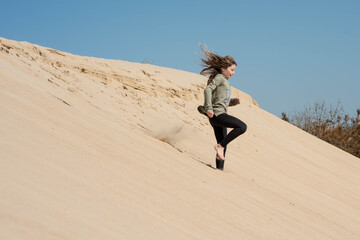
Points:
(210, 88)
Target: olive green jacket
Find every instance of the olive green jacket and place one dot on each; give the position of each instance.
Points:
(217, 95)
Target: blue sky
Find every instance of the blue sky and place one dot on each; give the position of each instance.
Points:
(289, 53)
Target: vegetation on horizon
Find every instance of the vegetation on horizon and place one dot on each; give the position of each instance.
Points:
(330, 124)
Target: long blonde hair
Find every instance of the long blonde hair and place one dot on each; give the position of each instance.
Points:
(213, 63)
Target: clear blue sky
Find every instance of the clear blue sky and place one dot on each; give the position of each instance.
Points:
(289, 53)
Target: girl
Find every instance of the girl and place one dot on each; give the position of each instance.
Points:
(217, 99)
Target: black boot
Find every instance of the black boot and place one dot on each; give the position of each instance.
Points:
(219, 163)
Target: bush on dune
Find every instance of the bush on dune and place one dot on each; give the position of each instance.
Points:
(330, 124)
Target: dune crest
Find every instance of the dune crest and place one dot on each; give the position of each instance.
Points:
(93, 148)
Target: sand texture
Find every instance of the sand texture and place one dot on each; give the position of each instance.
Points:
(93, 148)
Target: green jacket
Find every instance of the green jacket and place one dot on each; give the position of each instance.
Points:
(217, 95)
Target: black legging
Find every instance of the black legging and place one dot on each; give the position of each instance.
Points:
(220, 125)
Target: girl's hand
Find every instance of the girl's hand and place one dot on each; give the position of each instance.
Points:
(210, 114)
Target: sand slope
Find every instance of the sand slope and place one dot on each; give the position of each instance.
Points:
(102, 149)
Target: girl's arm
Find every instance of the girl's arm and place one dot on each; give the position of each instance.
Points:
(208, 94)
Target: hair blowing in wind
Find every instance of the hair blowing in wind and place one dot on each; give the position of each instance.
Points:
(213, 63)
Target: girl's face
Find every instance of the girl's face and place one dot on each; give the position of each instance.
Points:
(228, 72)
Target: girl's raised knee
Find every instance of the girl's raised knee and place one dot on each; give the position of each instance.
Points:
(244, 128)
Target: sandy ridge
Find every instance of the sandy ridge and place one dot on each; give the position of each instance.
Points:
(94, 148)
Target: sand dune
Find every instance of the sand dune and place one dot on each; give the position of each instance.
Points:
(105, 149)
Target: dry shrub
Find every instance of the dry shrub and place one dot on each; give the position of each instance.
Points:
(330, 124)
